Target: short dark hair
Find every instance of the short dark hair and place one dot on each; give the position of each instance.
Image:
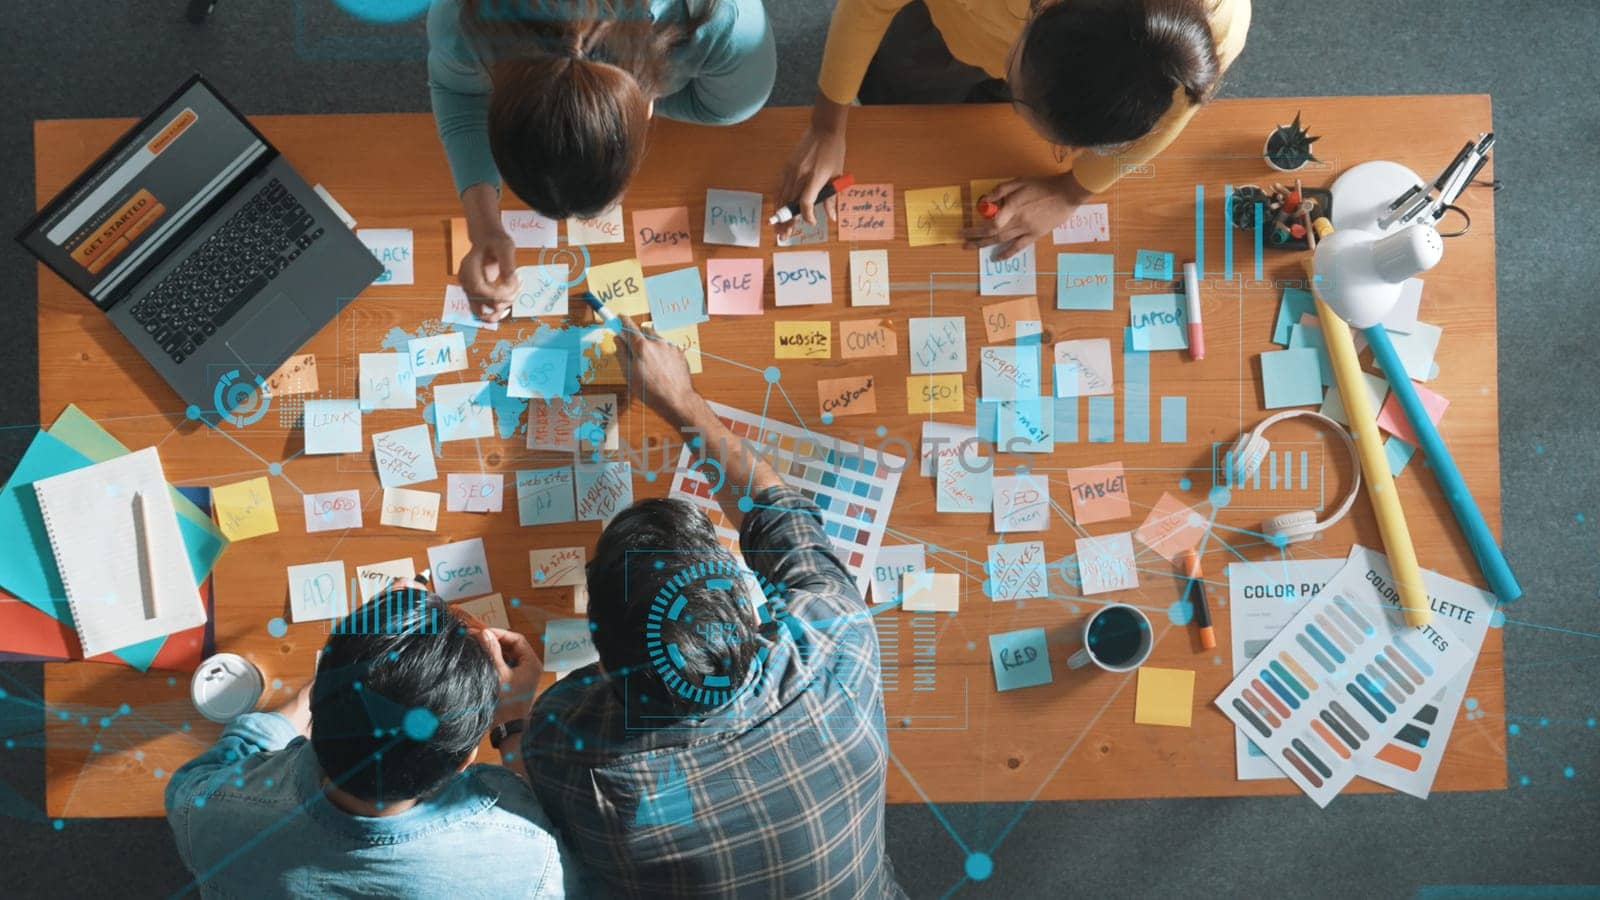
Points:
(1103, 72)
(403, 695)
(639, 555)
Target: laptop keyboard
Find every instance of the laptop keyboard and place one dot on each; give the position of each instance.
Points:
(257, 243)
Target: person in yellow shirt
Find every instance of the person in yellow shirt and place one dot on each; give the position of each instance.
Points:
(1110, 82)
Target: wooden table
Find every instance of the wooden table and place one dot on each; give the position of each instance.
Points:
(962, 741)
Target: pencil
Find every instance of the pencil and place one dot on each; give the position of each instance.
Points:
(147, 566)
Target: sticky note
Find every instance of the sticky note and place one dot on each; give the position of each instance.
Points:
(1416, 350)
(661, 237)
(1403, 317)
(1333, 401)
(604, 489)
(475, 493)
(1106, 563)
(801, 234)
(869, 278)
(1099, 493)
(545, 497)
(463, 411)
(405, 508)
(734, 286)
(404, 456)
(854, 396)
(458, 310)
(939, 345)
(1000, 320)
(1166, 697)
(605, 228)
(802, 278)
(1024, 425)
(620, 286)
(1009, 372)
(568, 645)
(557, 566)
(677, 299)
(895, 560)
(1083, 368)
(332, 426)
(1293, 304)
(964, 485)
(437, 354)
(1012, 277)
(1021, 659)
(386, 382)
(1310, 337)
(1085, 280)
(597, 425)
(490, 609)
(374, 579)
(942, 439)
(1159, 321)
(460, 244)
(538, 372)
(1152, 264)
(686, 339)
(601, 343)
(934, 216)
(1291, 378)
(317, 591)
(460, 569)
(930, 591)
(332, 511)
(297, 376)
(1399, 454)
(530, 230)
(801, 340)
(1017, 572)
(244, 509)
(1171, 528)
(867, 338)
(1392, 416)
(392, 247)
(928, 394)
(542, 292)
(866, 213)
(1021, 503)
(1088, 224)
(733, 218)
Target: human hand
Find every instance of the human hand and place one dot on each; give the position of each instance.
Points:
(657, 372)
(517, 667)
(816, 160)
(489, 275)
(1030, 208)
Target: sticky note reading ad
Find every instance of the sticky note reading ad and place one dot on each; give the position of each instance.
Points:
(620, 286)
(1088, 224)
(477, 493)
(869, 278)
(463, 411)
(733, 218)
(867, 338)
(1083, 368)
(392, 247)
(866, 213)
(244, 509)
(677, 299)
(530, 230)
(1021, 659)
(544, 496)
(386, 382)
(332, 426)
(801, 340)
(855, 396)
(404, 456)
(437, 354)
(661, 236)
(543, 291)
(928, 394)
(405, 508)
(460, 569)
(605, 228)
(802, 278)
(317, 591)
(734, 286)
(1099, 493)
(933, 216)
(332, 511)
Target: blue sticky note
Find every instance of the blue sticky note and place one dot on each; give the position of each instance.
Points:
(1301, 336)
(568, 645)
(1295, 303)
(540, 373)
(1399, 453)
(1152, 264)
(1084, 280)
(677, 299)
(1010, 372)
(960, 489)
(604, 489)
(1159, 322)
(1291, 378)
(986, 421)
(545, 497)
(1026, 425)
(1021, 659)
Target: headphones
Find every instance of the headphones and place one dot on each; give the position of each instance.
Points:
(1251, 450)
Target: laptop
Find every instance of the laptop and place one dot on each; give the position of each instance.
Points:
(205, 248)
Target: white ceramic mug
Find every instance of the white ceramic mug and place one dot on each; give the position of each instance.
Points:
(1116, 638)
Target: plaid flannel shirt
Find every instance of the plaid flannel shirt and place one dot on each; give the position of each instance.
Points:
(778, 793)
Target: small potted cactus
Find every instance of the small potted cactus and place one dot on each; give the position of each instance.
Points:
(1288, 147)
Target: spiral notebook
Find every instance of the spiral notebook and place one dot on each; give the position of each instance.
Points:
(94, 531)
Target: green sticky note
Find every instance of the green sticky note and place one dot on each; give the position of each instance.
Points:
(1291, 378)
(1021, 659)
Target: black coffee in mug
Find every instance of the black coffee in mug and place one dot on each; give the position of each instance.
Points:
(1116, 635)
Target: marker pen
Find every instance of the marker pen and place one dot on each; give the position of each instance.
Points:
(1197, 332)
(599, 307)
(787, 213)
(1197, 598)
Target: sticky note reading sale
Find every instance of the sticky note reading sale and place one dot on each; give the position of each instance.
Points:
(332, 511)
(1021, 659)
(802, 278)
(661, 236)
(460, 569)
(933, 216)
(801, 340)
(478, 493)
(244, 509)
(404, 508)
(928, 394)
(404, 456)
(332, 426)
(869, 278)
(868, 338)
(605, 228)
(620, 286)
(1099, 493)
(866, 213)
(855, 396)
(734, 286)
(733, 218)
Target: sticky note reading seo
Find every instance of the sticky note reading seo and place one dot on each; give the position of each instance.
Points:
(1106, 563)
(677, 299)
(463, 411)
(928, 394)
(1014, 276)
(480, 493)
(1099, 493)
(866, 213)
(938, 346)
(802, 278)
(332, 511)
(1152, 264)
(543, 291)
(530, 230)
(733, 218)
(856, 396)
(1084, 280)
(404, 456)
(1021, 503)
(1017, 571)
(620, 286)
(404, 508)
(332, 426)
(605, 228)
(460, 569)
(317, 591)
(1021, 659)
(801, 340)
(867, 338)
(1083, 368)
(934, 215)
(244, 509)
(661, 236)
(386, 382)
(545, 496)
(869, 278)
(437, 354)
(734, 286)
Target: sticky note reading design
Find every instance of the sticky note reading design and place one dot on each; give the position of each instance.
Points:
(1099, 493)
(481, 493)
(1152, 264)
(677, 299)
(1171, 528)
(1009, 372)
(933, 216)
(802, 278)
(938, 346)
(801, 340)
(869, 278)
(530, 230)
(392, 247)
(244, 509)
(620, 286)
(386, 382)
(1083, 368)
(568, 645)
(964, 485)
(332, 426)
(404, 508)
(866, 213)
(733, 218)
(928, 394)
(538, 372)
(317, 591)
(297, 376)
(1001, 320)
(557, 567)
(463, 411)
(543, 291)
(605, 228)
(856, 396)
(1106, 563)
(544, 496)
(893, 562)
(404, 456)
(460, 569)
(1021, 503)
(604, 489)
(1021, 659)
(332, 511)
(734, 286)
(661, 236)
(1017, 571)
(930, 592)
(458, 310)
(1084, 280)
(437, 354)
(867, 338)
(1088, 224)
(1012, 277)
(1159, 321)
(374, 579)
(1165, 697)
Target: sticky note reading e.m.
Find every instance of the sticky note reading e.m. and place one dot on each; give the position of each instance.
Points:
(869, 278)
(317, 591)
(1154, 265)
(1106, 563)
(854, 396)
(1088, 224)
(332, 426)
(543, 291)
(677, 299)
(1017, 571)
(934, 215)
(437, 354)
(386, 382)
(530, 230)
(1014, 276)
(1084, 280)
(1000, 320)
(938, 346)
(605, 228)
(474, 493)
(463, 411)
(1165, 697)
(545, 496)
(1291, 378)
(928, 394)
(866, 213)
(1021, 659)
(867, 338)
(734, 286)
(1083, 368)
(460, 569)
(1021, 503)
(895, 560)
(568, 645)
(661, 236)
(392, 247)
(733, 218)
(802, 278)
(332, 511)
(930, 591)
(458, 310)
(802, 340)
(1159, 321)
(620, 286)
(404, 456)
(1099, 493)
(405, 508)
(244, 509)
(539, 372)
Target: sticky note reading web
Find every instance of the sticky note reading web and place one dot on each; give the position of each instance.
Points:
(620, 286)
(463, 411)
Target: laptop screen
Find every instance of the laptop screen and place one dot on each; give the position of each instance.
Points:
(158, 182)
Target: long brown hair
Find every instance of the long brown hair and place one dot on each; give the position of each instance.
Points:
(573, 80)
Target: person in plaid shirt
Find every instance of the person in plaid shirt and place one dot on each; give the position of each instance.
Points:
(730, 741)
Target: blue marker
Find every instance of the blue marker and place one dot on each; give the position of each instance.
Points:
(599, 307)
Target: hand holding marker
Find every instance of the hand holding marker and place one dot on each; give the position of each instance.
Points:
(836, 186)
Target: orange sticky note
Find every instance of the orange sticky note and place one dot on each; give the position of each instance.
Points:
(1171, 528)
(661, 236)
(1000, 319)
(933, 216)
(460, 244)
(1392, 418)
(871, 337)
(856, 396)
(620, 286)
(298, 375)
(866, 213)
(802, 340)
(1099, 493)
(927, 394)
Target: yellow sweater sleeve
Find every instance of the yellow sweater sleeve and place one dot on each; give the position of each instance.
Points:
(1097, 172)
(853, 37)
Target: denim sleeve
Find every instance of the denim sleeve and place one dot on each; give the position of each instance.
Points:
(247, 735)
(459, 85)
(736, 77)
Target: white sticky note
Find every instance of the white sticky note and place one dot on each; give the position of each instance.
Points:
(1014, 277)
(460, 569)
(1106, 563)
(483, 493)
(931, 592)
(605, 228)
(458, 310)
(404, 456)
(938, 346)
(1083, 368)
(1088, 224)
(802, 278)
(386, 382)
(943, 439)
(463, 411)
(528, 229)
(1017, 572)
(568, 645)
(437, 353)
(894, 561)
(392, 247)
(733, 218)
(543, 291)
(1333, 401)
(1021, 503)
(869, 278)
(404, 508)
(332, 511)
(1417, 348)
(375, 578)
(332, 426)
(317, 591)
(557, 566)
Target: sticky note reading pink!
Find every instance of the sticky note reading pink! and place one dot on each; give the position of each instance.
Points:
(1099, 493)
(1393, 419)
(734, 286)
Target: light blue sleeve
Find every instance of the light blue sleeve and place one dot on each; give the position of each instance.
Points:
(736, 77)
(247, 735)
(459, 84)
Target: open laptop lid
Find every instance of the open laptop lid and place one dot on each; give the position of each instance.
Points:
(146, 194)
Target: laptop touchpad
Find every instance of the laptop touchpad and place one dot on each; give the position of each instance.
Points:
(274, 332)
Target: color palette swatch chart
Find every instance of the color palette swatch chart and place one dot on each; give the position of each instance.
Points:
(1347, 673)
(853, 485)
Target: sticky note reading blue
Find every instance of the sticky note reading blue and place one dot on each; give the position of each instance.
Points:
(544, 496)
(1295, 303)
(1159, 322)
(1291, 378)
(1084, 280)
(1152, 264)
(677, 299)
(1021, 659)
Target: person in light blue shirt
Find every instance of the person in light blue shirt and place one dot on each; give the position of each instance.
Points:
(364, 783)
(555, 97)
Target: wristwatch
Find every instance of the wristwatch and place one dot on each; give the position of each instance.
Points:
(500, 732)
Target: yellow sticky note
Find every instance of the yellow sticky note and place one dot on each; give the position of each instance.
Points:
(620, 286)
(935, 394)
(606, 367)
(933, 215)
(802, 340)
(244, 509)
(686, 339)
(1166, 697)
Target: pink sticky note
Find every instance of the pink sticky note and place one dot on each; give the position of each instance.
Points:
(1099, 493)
(1171, 528)
(661, 236)
(734, 286)
(1393, 419)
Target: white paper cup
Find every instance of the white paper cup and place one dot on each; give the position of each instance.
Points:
(225, 687)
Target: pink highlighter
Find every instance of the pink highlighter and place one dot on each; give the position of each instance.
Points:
(1197, 332)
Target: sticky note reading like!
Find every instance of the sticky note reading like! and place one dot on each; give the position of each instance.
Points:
(530, 230)
(1171, 528)
(332, 511)
(872, 337)
(677, 299)
(605, 228)
(1084, 280)
(1159, 321)
(1083, 368)
(404, 508)
(392, 247)
(855, 396)
(1099, 493)
(404, 456)
(542, 292)
(476, 493)
(557, 567)
(1291, 378)
(458, 310)
(1011, 277)
(539, 372)
(733, 218)
(620, 286)
(938, 345)
(544, 496)
(1392, 416)
(801, 340)
(933, 216)
(1021, 503)
(1166, 697)
(460, 569)
(437, 354)
(928, 394)
(894, 561)
(802, 278)
(1000, 320)
(332, 426)
(869, 278)
(734, 286)
(317, 591)
(386, 382)
(374, 579)
(244, 509)
(1106, 563)
(931, 591)
(1088, 224)
(603, 489)
(463, 411)
(1021, 659)
(568, 645)
(1152, 264)
(866, 213)
(1017, 571)
(661, 236)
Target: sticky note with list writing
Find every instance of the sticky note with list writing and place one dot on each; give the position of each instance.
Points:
(733, 218)
(244, 509)
(460, 569)
(317, 591)
(332, 426)
(332, 511)
(734, 286)
(404, 456)
(802, 278)
(866, 213)
(1021, 659)
(386, 382)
